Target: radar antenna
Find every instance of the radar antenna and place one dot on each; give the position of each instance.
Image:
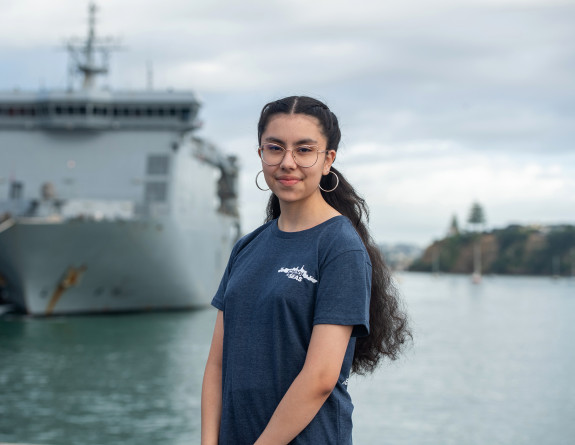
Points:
(83, 52)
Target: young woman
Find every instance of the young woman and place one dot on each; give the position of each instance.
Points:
(306, 298)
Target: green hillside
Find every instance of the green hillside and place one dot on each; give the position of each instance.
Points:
(521, 250)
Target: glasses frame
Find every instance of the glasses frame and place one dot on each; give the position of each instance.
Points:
(285, 150)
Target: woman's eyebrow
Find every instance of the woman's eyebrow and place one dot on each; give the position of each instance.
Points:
(307, 141)
(276, 140)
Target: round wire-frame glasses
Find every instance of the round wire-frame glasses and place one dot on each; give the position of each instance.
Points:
(272, 154)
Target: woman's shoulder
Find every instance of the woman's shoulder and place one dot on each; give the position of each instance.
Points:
(342, 229)
(340, 236)
(248, 238)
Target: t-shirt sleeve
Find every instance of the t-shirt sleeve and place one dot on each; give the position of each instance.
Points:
(218, 300)
(344, 292)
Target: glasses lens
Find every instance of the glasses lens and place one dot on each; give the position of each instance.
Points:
(305, 156)
(272, 154)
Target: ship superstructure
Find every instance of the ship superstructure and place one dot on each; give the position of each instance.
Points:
(108, 199)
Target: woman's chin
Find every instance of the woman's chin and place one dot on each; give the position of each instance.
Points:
(289, 195)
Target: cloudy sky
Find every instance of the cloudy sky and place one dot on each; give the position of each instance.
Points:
(441, 102)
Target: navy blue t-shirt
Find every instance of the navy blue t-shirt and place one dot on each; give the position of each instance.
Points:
(276, 287)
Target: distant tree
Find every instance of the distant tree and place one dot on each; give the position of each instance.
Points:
(477, 220)
(453, 227)
(476, 216)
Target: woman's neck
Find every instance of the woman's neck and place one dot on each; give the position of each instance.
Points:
(298, 216)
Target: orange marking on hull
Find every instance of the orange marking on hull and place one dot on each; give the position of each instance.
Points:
(71, 278)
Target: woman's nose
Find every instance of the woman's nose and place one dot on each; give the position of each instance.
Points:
(288, 161)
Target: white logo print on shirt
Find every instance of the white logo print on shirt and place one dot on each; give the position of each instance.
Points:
(297, 273)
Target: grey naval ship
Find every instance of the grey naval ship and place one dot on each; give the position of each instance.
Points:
(109, 201)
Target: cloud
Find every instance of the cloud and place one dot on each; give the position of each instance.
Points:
(426, 184)
(440, 102)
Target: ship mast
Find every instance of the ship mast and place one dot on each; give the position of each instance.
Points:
(83, 53)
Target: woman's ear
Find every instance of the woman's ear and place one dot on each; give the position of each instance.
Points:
(329, 160)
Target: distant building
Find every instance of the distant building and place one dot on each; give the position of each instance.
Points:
(400, 256)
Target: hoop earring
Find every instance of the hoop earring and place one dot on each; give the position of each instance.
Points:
(336, 183)
(257, 185)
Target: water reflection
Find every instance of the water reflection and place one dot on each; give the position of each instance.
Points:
(106, 379)
(491, 364)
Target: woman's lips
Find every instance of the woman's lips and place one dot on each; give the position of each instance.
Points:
(288, 180)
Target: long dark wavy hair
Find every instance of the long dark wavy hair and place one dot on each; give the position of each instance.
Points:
(389, 329)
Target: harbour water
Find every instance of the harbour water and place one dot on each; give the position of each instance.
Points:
(490, 364)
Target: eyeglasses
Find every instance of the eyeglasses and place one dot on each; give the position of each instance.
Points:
(303, 155)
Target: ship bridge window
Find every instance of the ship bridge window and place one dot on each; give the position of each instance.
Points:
(149, 111)
(157, 165)
(17, 111)
(100, 111)
(156, 191)
(70, 109)
(16, 190)
(122, 111)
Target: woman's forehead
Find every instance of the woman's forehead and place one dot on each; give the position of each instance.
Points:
(293, 127)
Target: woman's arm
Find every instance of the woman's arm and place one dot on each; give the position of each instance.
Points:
(212, 386)
(311, 387)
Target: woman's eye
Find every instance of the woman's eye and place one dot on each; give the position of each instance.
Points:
(304, 150)
(273, 147)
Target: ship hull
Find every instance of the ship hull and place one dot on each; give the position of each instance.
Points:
(112, 266)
